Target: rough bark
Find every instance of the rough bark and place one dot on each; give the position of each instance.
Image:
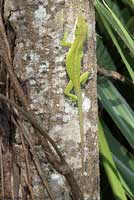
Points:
(39, 57)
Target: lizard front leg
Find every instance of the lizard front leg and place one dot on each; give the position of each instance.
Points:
(64, 42)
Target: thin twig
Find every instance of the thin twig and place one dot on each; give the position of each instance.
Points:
(36, 159)
(29, 187)
(34, 123)
(26, 158)
(114, 75)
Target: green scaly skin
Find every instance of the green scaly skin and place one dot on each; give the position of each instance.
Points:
(73, 67)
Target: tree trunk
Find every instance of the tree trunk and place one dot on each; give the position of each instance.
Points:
(40, 60)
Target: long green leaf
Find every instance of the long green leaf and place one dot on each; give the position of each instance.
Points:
(110, 168)
(118, 109)
(126, 177)
(124, 161)
(116, 24)
(109, 30)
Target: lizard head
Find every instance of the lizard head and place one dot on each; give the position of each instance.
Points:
(81, 27)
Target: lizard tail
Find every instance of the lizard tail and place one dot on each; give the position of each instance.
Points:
(80, 113)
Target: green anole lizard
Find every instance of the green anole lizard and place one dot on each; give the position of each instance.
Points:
(73, 67)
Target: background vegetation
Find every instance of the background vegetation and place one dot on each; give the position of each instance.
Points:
(115, 57)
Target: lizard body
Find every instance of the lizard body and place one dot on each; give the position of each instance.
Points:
(73, 67)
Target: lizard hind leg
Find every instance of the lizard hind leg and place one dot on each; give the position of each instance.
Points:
(68, 93)
(84, 78)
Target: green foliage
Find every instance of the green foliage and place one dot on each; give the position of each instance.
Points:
(115, 51)
(109, 165)
(124, 161)
(112, 24)
(118, 109)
